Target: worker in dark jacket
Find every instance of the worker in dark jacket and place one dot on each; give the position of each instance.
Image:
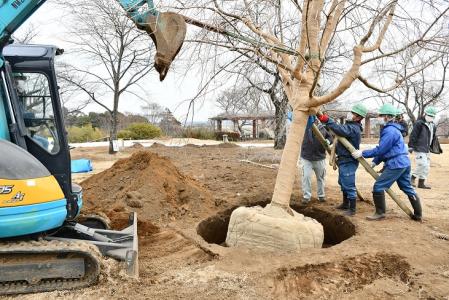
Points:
(422, 137)
(393, 152)
(313, 158)
(347, 165)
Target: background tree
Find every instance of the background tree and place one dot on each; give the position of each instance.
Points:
(153, 112)
(245, 100)
(427, 87)
(240, 67)
(25, 35)
(112, 56)
(266, 80)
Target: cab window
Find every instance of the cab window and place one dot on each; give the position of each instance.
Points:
(38, 113)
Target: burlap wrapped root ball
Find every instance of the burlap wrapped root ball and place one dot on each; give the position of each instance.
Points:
(273, 228)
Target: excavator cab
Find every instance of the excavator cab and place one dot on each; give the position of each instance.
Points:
(35, 114)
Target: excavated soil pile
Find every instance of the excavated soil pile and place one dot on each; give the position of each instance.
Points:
(158, 145)
(147, 183)
(223, 145)
(137, 146)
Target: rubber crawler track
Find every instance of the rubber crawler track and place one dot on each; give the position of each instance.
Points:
(89, 252)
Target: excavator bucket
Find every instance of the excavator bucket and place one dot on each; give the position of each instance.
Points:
(167, 30)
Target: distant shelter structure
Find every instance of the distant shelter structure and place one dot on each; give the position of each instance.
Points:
(259, 120)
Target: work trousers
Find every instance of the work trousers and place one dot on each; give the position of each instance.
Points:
(319, 168)
(390, 176)
(422, 165)
(346, 178)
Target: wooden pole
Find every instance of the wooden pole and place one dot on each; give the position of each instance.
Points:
(326, 146)
(321, 138)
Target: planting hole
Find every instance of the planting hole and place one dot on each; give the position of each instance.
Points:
(336, 227)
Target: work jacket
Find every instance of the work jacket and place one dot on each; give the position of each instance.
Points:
(311, 148)
(391, 149)
(352, 131)
(420, 136)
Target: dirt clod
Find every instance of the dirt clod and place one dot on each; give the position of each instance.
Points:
(135, 203)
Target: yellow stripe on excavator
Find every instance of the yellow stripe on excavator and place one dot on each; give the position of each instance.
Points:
(29, 191)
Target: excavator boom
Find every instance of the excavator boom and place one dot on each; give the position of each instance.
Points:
(166, 29)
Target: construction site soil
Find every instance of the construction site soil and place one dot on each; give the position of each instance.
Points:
(184, 196)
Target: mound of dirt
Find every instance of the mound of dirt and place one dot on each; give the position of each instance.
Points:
(147, 183)
(137, 146)
(223, 145)
(227, 145)
(158, 145)
(192, 146)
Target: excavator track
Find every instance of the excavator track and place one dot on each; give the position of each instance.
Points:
(42, 266)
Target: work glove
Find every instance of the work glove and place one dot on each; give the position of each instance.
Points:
(373, 165)
(357, 154)
(410, 150)
(323, 118)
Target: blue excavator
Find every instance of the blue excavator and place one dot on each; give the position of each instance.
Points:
(44, 243)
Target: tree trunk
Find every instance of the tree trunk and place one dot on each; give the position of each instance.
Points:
(114, 121)
(113, 132)
(288, 167)
(112, 135)
(280, 118)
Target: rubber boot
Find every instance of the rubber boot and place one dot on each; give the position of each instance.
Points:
(421, 185)
(379, 202)
(413, 181)
(416, 204)
(351, 211)
(345, 204)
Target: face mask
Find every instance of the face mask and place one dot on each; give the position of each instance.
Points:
(349, 116)
(381, 121)
(428, 119)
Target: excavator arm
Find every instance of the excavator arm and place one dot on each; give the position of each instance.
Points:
(166, 29)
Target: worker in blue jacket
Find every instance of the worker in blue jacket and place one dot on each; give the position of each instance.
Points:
(393, 152)
(347, 165)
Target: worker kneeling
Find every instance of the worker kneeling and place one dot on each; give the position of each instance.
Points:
(393, 152)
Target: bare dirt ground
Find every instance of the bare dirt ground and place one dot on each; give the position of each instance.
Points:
(175, 189)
